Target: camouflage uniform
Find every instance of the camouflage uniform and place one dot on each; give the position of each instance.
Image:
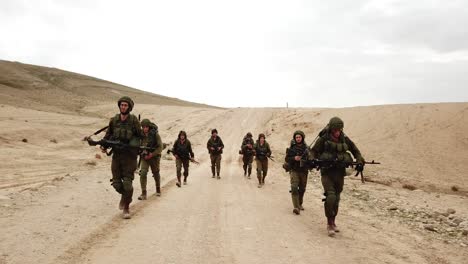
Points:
(183, 150)
(152, 140)
(262, 152)
(124, 161)
(247, 154)
(328, 148)
(215, 155)
(298, 173)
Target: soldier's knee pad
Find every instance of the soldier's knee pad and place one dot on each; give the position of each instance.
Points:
(127, 186)
(330, 196)
(294, 190)
(118, 186)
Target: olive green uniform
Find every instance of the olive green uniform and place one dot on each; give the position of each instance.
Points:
(183, 150)
(215, 155)
(297, 173)
(262, 152)
(153, 140)
(325, 148)
(247, 155)
(124, 161)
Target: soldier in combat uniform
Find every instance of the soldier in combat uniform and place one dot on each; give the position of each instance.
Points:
(247, 154)
(182, 151)
(125, 128)
(215, 147)
(334, 145)
(149, 159)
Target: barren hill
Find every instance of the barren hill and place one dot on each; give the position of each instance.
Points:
(52, 89)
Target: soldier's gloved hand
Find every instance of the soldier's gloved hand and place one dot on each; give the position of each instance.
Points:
(103, 150)
(219, 148)
(175, 155)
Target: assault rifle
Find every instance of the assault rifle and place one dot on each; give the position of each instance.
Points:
(169, 151)
(320, 164)
(114, 144)
(215, 146)
(263, 154)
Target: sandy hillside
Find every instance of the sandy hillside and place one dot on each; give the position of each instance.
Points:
(57, 206)
(55, 90)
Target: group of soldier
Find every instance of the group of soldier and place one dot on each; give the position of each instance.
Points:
(261, 151)
(331, 144)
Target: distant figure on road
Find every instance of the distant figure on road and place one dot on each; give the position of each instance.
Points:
(334, 145)
(247, 152)
(125, 128)
(182, 151)
(215, 148)
(262, 153)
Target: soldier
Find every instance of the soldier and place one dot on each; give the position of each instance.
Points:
(297, 151)
(125, 128)
(183, 153)
(148, 159)
(247, 154)
(215, 148)
(262, 153)
(333, 144)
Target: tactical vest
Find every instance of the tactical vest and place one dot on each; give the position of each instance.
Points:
(261, 151)
(335, 150)
(215, 143)
(246, 150)
(150, 140)
(125, 131)
(295, 150)
(182, 149)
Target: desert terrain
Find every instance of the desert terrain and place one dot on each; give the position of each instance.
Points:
(57, 205)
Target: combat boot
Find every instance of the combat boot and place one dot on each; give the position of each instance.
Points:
(121, 203)
(126, 211)
(301, 198)
(334, 225)
(157, 181)
(142, 196)
(178, 182)
(330, 228)
(296, 211)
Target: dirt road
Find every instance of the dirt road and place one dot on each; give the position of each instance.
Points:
(230, 220)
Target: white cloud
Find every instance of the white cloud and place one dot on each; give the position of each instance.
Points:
(251, 53)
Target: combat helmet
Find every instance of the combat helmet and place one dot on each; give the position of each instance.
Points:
(127, 100)
(145, 122)
(335, 123)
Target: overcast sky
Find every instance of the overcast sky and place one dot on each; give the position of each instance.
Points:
(252, 53)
